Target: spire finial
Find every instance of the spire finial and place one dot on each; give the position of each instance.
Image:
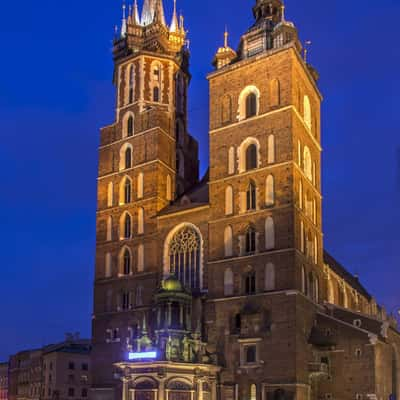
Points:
(283, 12)
(226, 34)
(123, 26)
(174, 23)
(135, 13)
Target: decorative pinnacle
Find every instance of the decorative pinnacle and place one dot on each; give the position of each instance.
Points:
(283, 12)
(226, 34)
(123, 26)
(174, 23)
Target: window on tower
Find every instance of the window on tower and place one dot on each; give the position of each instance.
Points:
(251, 197)
(251, 157)
(126, 262)
(251, 105)
(129, 128)
(156, 94)
(127, 191)
(127, 226)
(250, 283)
(131, 84)
(128, 158)
(250, 240)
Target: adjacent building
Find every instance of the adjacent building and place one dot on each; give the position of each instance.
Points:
(59, 372)
(220, 287)
(4, 381)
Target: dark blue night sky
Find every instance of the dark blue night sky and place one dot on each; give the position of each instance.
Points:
(56, 92)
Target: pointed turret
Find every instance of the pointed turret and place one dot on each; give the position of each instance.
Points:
(225, 54)
(159, 12)
(135, 14)
(123, 25)
(174, 27)
(147, 12)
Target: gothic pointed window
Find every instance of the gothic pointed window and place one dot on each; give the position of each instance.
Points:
(229, 200)
(250, 283)
(127, 191)
(127, 226)
(307, 112)
(307, 163)
(228, 241)
(126, 262)
(131, 84)
(156, 94)
(128, 158)
(140, 221)
(184, 251)
(110, 194)
(251, 105)
(250, 240)
(270, 191)
(269, 234)
(251, 157)
(231, 161)
(269, 277)
(129, 128)
(251, 197)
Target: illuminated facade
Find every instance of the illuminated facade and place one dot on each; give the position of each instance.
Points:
(220, 288)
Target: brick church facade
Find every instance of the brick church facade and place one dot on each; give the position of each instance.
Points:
(220, 287)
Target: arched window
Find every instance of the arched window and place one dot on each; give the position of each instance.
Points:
(131, 93)
(251, 157)
(108, 266)
(303, 280)
(156, 94)
(269, 234)
(229, 200)
(275, 93)
(140, 185)
(231, 161)
(249, 102)
(129, 127)
(307, 163)
(250, 240)
(228, 282)
(307, 112)
(271, 149)
(253, 392)
(228, 241)
(140, 258)
(125, 156)
(251, 195)
(109, 228)
(140, 221)
(250, 283)
(251, 105)
(128, 158)
(156, 81)
(269, 277)
(249, 154)
(125, 191)
(169, 188)
(270, 191)
(126, 261)
(184, 256)
(110, 194)
(226, 109)
(126, 226)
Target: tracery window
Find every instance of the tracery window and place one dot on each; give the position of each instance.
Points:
(184, 257)
(129, 127)
(128, 158)
(127, 191)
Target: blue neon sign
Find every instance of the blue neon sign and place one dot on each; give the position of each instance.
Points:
(142, 355)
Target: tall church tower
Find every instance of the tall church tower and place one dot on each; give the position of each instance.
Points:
(265, 224)
(146, 160)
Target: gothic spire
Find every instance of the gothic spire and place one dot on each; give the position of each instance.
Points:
(123, 25)
(135, 14)
(174, 23)
(147, 12)
(159, 12)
